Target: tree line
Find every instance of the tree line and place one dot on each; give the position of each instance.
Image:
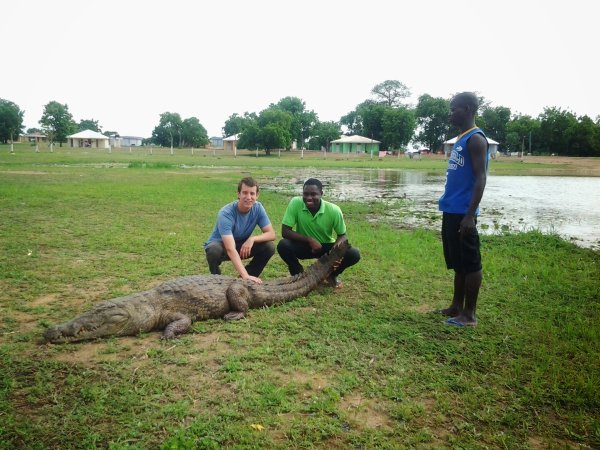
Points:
(385, 117)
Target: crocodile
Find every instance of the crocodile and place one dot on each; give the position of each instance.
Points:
(173, 305)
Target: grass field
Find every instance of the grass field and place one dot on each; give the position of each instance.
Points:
(368, 367)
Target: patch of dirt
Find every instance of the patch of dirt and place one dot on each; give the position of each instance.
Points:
(43, 300)
(365, 413)
(542, 443)
(24, 172)
(578, 166)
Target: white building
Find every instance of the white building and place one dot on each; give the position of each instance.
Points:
(88, 139)
(450, 143)
(230, 143)
(131, 141)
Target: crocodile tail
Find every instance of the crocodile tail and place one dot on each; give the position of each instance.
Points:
(286, 289)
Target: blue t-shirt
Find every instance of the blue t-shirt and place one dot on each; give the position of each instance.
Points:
(231, 222)
(459, 177)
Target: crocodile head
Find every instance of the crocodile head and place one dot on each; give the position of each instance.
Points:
(105, 319)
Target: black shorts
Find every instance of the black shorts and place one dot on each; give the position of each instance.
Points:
(460, 252)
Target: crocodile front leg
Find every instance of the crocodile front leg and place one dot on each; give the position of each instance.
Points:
(180, 324)
(237, 296)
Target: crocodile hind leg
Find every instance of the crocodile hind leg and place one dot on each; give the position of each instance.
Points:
(237, 296)
(179, 324)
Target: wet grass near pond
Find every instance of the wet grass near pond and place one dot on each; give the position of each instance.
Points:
(368, 367)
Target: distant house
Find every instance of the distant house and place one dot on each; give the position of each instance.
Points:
(114, 140)
(216, 141)
(355, 144)
(131, 141)
(230, 142)
(450, 143)
(88, 139)
(33, 137)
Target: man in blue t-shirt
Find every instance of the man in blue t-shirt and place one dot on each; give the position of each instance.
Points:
(232, 238)
(465, 182)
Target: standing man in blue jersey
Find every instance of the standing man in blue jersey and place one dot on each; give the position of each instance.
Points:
(232, 236)
(465, 182)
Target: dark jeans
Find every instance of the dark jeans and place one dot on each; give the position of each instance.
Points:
(291, 251)
(260, 254)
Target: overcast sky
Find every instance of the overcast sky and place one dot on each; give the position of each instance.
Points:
(125, 62)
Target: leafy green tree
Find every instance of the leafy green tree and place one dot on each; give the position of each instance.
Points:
(11, 121)
(169, 130)
(585, 138)
(322, 135)
(398, 127)
(353, 122)
(194, 134)
(57, 122)
(302, 120)
(391, 92)
(271, 130)
(496, 121)
(34, 130)
(235, 124)
(432, 118)
(519, 131)
(557, 126)
(390, 125)
(89, 124)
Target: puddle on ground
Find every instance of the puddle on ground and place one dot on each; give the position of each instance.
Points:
(567, 206)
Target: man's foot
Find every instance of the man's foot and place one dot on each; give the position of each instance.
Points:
(462, 321)
(334, 282)
(450, 312)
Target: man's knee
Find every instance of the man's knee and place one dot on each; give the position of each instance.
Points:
(284, 247)
(352, 256)
(214, 253)
(267, 248)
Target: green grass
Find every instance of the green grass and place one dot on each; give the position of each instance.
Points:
(369, 367)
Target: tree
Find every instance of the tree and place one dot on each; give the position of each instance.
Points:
(495, 122)
(369, 120)
(57, 122)
(353, 122)
(398, 126)
(89, 124)
(169, 130)
(391, 92)
(519, 130)
(302, 120)
(585, 138)
(323, 134)
(11, 121)
(236, 123)
(270, 130)
(432, 118)
(556, 129)
(194, 134)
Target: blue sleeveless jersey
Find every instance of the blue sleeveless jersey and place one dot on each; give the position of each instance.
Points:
(459, 177)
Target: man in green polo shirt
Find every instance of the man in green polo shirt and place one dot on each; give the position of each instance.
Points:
(319, 227)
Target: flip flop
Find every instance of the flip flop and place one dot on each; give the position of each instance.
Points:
(454, 322)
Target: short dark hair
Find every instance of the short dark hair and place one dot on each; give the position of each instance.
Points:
(468, 99)
(248, 181)
(313, 182)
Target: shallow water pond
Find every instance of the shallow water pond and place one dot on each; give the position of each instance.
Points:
(568, 206)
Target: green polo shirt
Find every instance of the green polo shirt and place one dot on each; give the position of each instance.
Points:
(321, 226)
